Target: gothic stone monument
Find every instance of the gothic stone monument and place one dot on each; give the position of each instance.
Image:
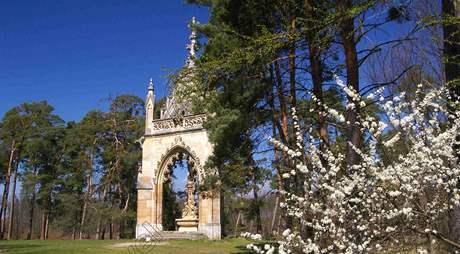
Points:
(178, 134)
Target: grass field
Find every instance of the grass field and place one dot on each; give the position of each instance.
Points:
(237, 246)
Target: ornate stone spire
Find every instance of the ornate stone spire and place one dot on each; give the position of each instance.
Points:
(192, 47)
(149, 108)
(175, 107)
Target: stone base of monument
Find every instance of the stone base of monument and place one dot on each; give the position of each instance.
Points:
(187, 224)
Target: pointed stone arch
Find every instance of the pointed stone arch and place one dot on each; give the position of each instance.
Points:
(167, 157)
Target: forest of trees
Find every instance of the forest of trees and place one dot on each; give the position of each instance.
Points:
(307, 73)
(74, 180)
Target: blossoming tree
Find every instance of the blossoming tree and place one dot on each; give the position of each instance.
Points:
(369, 206)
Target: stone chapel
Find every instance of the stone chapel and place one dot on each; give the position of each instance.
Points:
(177, 135)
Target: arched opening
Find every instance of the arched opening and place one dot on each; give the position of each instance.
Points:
(178, 191)
(172, 195)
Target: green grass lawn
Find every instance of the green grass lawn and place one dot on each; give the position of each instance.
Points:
(122, 246)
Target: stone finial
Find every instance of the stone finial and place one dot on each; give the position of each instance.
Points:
(151, 85)
(149, 108)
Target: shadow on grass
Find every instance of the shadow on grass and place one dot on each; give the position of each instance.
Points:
(7, 247)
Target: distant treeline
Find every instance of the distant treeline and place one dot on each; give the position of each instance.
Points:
(70, 179)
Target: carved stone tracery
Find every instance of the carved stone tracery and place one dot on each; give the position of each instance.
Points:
(187, 122)
(178, 148)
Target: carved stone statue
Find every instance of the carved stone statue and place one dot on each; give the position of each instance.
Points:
(189, 210)
(189, 220)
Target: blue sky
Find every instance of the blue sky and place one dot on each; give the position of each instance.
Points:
(74, 54)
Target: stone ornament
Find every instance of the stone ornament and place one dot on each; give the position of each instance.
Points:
(178, 123)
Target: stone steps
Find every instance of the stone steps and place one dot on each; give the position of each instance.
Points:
(176, 235)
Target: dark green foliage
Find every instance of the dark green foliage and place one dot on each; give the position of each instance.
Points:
(120, 157)
(259, 59)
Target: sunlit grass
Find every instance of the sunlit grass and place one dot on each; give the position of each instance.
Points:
(121, 246)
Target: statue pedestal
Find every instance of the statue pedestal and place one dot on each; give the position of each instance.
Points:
(187, 224)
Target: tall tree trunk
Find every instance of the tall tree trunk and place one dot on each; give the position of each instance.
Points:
(6, 190)
(87, 197)
(277, 167)
(120, 228)
(255, 194)
(347, 36)
(111, 228)
(278, 225)
(82, 221)
(104, 229)
(43, 226)
(4, 195)
(238, 217)
(317, 76)
(13, 199)
(74, 230)
(280, 182)
(275, 212)
(277, 154)
(292, 65)
(47, 226)
(283, 131)
(32, 208)
(258, 217)
(98, 229)
(282, 100)
(31, 216)
(451, 10)
(18, 231)
(49, 190)
(223, 228)
(85, 207)
(99, 220)
(316, 67)
(45, 217)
